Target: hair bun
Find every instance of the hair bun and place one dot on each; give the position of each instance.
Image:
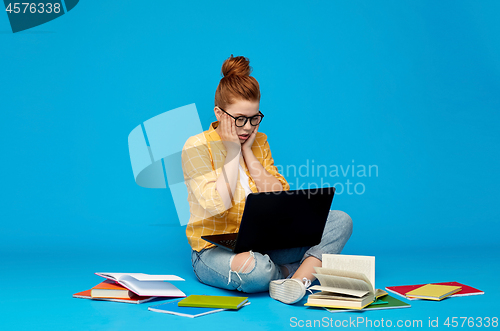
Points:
(238, 66)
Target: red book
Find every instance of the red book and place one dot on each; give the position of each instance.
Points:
(466, 290)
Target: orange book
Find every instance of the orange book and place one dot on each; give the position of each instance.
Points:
(136, 299)
(110, 289)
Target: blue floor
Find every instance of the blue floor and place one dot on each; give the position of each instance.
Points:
(38, 285)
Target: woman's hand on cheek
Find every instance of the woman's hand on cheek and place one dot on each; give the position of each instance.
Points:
(228, 134)
(247, 145)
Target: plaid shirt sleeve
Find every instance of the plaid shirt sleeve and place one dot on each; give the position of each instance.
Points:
(200, 177)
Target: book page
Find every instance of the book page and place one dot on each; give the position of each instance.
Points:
(139, 276)
(380, 293)
(339, 291)
(329, 296)
(343, 282)
(344, 273)
(356, 263)
(150, 288)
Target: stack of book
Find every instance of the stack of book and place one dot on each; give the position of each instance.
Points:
(434, 291)
(132, 288)
(348, 283)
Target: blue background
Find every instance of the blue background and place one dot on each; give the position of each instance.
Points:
(412, 87)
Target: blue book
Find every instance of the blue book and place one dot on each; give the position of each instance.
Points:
(172, 308)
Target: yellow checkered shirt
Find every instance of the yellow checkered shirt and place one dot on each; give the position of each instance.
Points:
(203, 157)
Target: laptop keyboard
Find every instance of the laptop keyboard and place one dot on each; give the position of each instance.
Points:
(229, 243)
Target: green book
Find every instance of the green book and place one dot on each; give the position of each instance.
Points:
(213, 301)
(391, 303)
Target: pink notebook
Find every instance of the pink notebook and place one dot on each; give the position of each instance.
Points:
(402, 290)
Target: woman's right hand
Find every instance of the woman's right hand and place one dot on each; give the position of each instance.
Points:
(228, 134)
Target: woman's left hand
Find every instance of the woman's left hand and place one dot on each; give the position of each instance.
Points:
(247, 145)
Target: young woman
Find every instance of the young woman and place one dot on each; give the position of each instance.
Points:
(221, 167)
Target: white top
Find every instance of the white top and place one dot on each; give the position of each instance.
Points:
(244, 181)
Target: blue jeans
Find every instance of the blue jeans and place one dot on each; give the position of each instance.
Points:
(212, 266)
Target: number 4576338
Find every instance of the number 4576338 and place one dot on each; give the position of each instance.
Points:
(33, 8)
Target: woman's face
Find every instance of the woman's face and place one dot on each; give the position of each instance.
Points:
(241, 108)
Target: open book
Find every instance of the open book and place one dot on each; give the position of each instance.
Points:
(347, 281)
(146, 285)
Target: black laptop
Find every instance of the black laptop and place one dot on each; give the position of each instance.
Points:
(276, 220)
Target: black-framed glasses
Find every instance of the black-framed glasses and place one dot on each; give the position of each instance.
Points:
(242, 120)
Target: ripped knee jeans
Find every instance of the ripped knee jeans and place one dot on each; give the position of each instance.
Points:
(213, 267)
